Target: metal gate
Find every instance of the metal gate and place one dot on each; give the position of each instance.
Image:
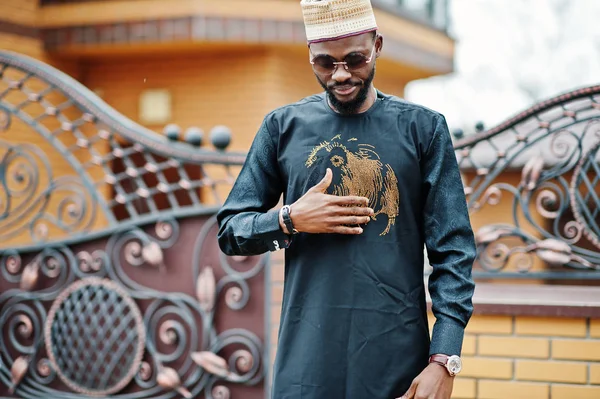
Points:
(111, 279)
(533, 189)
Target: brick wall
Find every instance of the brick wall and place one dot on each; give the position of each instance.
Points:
(17, 18)
(20, 11)
(24, 45)
(530, 357)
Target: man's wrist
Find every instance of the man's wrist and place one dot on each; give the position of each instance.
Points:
(282, 223)
(288, 224)
(441, 368)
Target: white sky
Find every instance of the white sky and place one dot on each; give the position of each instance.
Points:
(511, 54)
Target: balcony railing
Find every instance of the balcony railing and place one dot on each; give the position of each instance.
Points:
(433, 13)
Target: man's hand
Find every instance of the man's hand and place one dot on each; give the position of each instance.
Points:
(433, 383)
(317, 212)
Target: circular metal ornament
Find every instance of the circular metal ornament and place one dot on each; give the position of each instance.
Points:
(95, 337)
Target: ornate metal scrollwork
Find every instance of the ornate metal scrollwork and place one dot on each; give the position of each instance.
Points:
(97, 338)
(112, 172)
(554, 205)
(106, 292)
(585, 201)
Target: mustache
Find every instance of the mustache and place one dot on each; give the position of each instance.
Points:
(333, 85)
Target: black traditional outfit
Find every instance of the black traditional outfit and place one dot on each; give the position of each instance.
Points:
(354, 316)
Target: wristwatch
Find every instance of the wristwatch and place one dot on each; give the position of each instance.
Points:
(452, 363)
(287, 220)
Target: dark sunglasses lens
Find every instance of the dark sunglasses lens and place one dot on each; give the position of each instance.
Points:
(356, 61)
(323, 64)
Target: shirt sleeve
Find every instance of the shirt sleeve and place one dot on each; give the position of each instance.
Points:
(247, 223)
(449, 242)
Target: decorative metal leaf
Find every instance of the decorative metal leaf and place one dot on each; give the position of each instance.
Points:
(531, 172)
(206, 288)
(554, 251)
(153, 254)
(490, 233)
(554, 245)
(30, 276)
(221, 392)
(168, 378)
(212, 363)
(555, 258)
(18, 371)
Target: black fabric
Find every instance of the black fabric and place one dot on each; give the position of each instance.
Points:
(354, 317)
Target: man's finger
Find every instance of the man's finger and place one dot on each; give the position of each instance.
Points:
(350, 220)
(325, 182)
(347, 230)
(351, 200)
(354, 211)
(410, 394)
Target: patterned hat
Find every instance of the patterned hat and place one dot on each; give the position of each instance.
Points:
(336, 19)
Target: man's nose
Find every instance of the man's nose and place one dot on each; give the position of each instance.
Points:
(341, 74)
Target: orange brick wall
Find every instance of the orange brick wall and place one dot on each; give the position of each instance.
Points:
(25, 45)
(530, 357)
(20, 11)
(219, 88)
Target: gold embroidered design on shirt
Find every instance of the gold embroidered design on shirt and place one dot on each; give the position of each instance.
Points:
(362, 174)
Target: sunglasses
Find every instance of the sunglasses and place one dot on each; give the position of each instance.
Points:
(326, 64)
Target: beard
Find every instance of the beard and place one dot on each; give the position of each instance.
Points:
(352, 106)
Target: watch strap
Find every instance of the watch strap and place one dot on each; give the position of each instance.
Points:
(440, 359)
(287, 219)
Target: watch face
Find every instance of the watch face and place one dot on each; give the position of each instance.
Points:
(454, 364)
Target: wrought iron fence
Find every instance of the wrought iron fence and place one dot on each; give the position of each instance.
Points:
(537, 177)
(111, 281)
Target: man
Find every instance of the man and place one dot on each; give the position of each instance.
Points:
(368, 179)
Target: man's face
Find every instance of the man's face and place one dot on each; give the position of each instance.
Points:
(347, 89)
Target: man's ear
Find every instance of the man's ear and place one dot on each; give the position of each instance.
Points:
(378, 45)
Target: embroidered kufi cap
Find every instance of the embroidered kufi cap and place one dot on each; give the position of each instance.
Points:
(336, 19)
